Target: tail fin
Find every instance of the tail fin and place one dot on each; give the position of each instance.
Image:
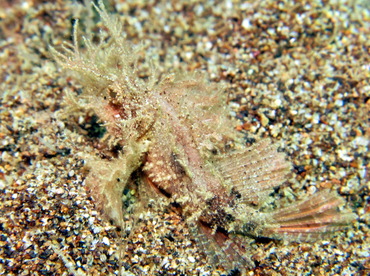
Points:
(310, 218)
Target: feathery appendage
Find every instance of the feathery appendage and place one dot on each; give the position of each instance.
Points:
(107, 69)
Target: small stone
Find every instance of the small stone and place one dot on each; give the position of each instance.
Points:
(246, 24)
(59, 191)
(264, 120)
(191, 259)
(106, 241)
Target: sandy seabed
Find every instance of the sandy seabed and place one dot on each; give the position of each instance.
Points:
(295, 71)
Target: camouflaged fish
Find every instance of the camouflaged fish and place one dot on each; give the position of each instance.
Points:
(178, 140)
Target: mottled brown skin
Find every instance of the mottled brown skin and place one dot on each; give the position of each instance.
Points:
(177, 139)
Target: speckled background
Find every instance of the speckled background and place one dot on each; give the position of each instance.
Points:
(296, 71)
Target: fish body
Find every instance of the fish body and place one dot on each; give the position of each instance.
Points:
(178, 140)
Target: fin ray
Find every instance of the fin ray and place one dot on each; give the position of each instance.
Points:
(309, 219)
(256, 170)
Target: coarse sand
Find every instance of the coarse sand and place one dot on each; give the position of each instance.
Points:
(295, 71)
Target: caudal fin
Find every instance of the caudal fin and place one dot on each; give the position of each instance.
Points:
(309, 219)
